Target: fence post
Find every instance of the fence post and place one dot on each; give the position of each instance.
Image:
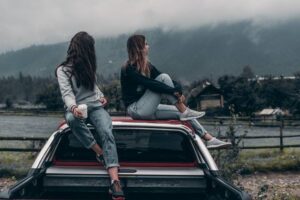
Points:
(219, 134)
(281, 133)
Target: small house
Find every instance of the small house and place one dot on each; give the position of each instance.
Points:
(205, 96)
(270, 114)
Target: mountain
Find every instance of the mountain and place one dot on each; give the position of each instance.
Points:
(209, 51)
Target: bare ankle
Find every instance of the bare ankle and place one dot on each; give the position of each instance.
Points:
(207, 136)
(96, 148)
(181, 107)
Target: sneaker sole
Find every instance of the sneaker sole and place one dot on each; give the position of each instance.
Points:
(221, 146)
(190, 118)
(118, 198)
(115, 197)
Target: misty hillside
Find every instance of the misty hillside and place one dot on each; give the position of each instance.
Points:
(189, 55)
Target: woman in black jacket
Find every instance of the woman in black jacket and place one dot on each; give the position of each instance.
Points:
(143, 87)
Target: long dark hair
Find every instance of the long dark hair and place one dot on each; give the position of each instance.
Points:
(137, 55)
(81, 60)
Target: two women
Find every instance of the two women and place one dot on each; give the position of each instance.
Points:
(143, 87)
(77, 81)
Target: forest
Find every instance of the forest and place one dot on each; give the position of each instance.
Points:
(245, 92)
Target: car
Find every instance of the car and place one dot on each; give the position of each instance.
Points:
(159, 159)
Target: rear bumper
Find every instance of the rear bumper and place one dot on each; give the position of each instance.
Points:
(158, 180)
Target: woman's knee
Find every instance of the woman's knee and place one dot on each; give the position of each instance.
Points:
(165, 78)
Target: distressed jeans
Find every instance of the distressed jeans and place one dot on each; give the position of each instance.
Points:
(149, 107)
(102, 123)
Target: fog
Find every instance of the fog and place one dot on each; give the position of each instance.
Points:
(29, 22)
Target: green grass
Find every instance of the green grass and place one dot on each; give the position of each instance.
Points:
(15, 164)
(250, 161)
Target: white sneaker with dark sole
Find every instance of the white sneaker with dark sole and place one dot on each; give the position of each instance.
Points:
(190, 114)
(214, 143)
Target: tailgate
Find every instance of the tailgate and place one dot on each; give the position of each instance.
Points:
(134, 179)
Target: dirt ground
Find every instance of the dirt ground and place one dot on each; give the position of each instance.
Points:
(261, 186)
(267, 186)
(6, 182)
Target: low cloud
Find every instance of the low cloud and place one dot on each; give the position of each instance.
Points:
(28, 22)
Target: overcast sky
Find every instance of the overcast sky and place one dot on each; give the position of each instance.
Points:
(28, 22)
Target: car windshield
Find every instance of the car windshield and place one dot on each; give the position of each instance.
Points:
(135, 146)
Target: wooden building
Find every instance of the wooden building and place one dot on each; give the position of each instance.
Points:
(205, 96)
(270, 114)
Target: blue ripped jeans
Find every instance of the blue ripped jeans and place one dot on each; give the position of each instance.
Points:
(101, 120)
(149, 107)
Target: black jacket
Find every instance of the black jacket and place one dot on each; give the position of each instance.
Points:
(134, 84)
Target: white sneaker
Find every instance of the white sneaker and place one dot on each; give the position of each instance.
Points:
(214, 143)
(189, 114)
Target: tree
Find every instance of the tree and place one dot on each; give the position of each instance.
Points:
(247, 72)
(241, 93)
(112, 91)
(51, 97)
(278, 93)
(8, 103)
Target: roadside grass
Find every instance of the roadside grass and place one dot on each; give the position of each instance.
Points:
(263, 161)
(251, 161)
(15, 164)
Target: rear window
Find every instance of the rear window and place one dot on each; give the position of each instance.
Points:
(134, 146)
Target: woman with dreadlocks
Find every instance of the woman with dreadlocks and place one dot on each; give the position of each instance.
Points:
(77, 81)
(143, 86)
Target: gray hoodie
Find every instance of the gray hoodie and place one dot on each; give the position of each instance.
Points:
(73, 95)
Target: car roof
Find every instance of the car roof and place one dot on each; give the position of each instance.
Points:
(129, 122)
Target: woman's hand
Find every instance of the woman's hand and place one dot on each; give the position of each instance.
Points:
(103, 100)
(76, 112)
(177, 94)
(181, 97)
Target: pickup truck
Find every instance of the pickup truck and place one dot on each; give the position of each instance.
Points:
(159, 159)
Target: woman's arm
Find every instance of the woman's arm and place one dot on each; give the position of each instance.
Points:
(100, 95)
(155, 72)
(66, 89)
(98, 92)
(149, 83)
